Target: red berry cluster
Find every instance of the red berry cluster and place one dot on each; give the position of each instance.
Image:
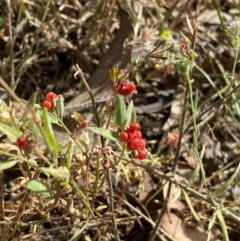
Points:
(124, 88)
(22, 142)
(133, 137)
(50, 101)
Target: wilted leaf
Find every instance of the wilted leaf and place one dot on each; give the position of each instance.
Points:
(58, 173)
(5, 116)
(178, 230)
(9, 131)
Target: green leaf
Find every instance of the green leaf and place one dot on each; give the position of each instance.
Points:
(52, 118)
(129, 113)
(49, 138)
(111, 135)
(120, 112)
(58, 173)
(226, 184)
(9, 131)
(59, 107)
(39, 187)
(7, 165)
(138, 118)
(234, 11)
(32, 100)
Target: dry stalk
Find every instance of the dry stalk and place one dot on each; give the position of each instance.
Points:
(80, 73)
(12, 43)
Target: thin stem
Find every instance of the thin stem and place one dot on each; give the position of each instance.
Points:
(80, 73)
(2, 214)
(112, 205)
(181, 132)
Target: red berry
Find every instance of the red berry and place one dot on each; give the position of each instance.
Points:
(22, 142)
(124, 136)
(134, 126)
(136, 143)
(168, 70)
(134, 134)
(125, 88)
(48, 105)
(50, 96)
(173, 139)
(142, 154)
(84, 123)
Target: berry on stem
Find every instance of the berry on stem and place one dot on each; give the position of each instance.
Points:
(22, 141)
(125, 88)
(48, 105)
(84, 123)
(124, 136)
(142, 154)
(136, 143)
(134, 126)
(173, 139)
(50, 96)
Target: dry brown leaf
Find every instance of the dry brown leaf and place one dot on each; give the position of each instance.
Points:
(176, 228)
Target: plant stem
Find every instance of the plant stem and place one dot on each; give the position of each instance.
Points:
(181, 132)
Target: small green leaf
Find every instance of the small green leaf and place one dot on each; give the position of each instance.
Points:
(59, 107)
(7, 165)
(234, 11)
(58, 173)
(138, 118)
(50, 139)
(39, 187)
(111, 135)
(120, 112)
(32, 100)
(52, 118)
(129, 113)
(9, 131)
(183, 66)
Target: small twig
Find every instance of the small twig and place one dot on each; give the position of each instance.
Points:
(10, 92)
(11, 41)
(112, 205)
(80, 73)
